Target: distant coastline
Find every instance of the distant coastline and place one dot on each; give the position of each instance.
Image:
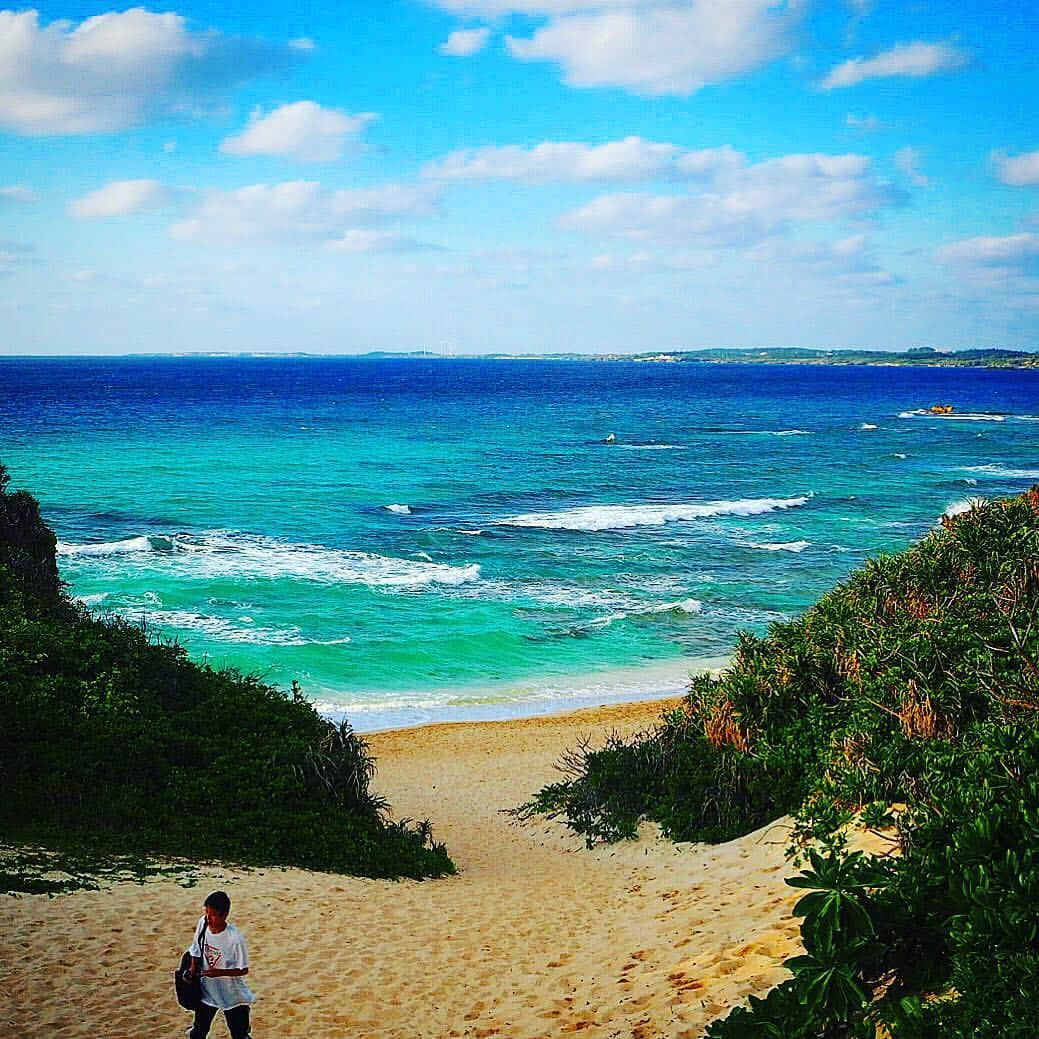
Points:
(926, 356)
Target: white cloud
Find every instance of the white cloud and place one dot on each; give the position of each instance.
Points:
(908, 161)
(368, 240)
(1018, 170)
(743, 205)
(862, 123)
(540, 8)
(660, 48)
(904, 59)
(300, 211)
(302, 130)
(465, 42)
(117, 70)
(1018, 251)
(17, 193)
(846, 261)
(121, 198)
(645, 262)
(630, 159)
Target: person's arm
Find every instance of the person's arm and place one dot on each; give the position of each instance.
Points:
(238, 953)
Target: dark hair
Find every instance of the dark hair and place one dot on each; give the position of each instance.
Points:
(219, 901)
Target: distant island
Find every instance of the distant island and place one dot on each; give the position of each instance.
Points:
(917, 356)
(922, 355)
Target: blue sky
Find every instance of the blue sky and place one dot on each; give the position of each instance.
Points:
(527, 176)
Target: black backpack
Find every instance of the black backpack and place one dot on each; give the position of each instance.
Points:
(189, 993)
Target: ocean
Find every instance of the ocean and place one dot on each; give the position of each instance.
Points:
(423, 540)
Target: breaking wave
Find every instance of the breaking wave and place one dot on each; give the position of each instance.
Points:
(684, 606)
(221, 629)
(225, 554)
(619, 517)
(1001, 470)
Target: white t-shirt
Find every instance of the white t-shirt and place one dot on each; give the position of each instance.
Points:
(224, 951)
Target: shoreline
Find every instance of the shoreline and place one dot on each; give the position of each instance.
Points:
(537, 697)
(535, 936)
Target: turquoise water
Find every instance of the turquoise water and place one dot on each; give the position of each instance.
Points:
(422, 540)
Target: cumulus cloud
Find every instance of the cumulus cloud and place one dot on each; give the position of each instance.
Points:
(846, 261)
(1018, 170)
(465, 42)
(370, 240)
(743, 205)
(643, 261)
(905, 59)
(117, 70)
(121, 198)
(630, 159)
(17, 193)
(660, 48)
(302, 130)
(908, 161)
(1018, 252)
(302, 211)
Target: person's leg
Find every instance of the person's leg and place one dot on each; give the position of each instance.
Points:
(237, 1019)
(203, 1019)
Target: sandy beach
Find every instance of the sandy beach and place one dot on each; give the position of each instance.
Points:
(536, 936)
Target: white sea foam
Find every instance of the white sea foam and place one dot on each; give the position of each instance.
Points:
(964, 416)
(619, 517)
(649, 447)
(400, 510)
(768, 432)
(537, 695)
(684, 606)
(106, 548)
(1002, 470)
(900, 454)
(221, 629)
(782, 546)
(93, 600)
(960, 507)
(225, 554)
(867, 425)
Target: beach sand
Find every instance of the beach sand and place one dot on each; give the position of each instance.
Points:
(536, 936)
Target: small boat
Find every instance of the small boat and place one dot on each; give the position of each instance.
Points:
(611, 438)
(940, 409)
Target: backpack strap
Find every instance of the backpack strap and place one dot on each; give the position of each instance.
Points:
(200, 938)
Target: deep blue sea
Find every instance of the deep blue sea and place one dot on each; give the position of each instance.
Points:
(423, 540)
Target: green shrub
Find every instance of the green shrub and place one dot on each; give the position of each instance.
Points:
(916, 683)
(113, 738)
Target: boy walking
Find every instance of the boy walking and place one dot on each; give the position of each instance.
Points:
(221, 962)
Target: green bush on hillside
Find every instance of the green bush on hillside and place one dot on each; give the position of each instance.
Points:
(914, 683)
(116, 740)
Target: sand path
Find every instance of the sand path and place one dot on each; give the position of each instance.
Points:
(536, 936)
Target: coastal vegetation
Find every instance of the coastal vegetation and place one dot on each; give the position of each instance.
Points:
(113, 742)
(906, 701)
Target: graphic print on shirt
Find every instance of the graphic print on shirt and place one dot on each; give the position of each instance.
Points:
(212, 955)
